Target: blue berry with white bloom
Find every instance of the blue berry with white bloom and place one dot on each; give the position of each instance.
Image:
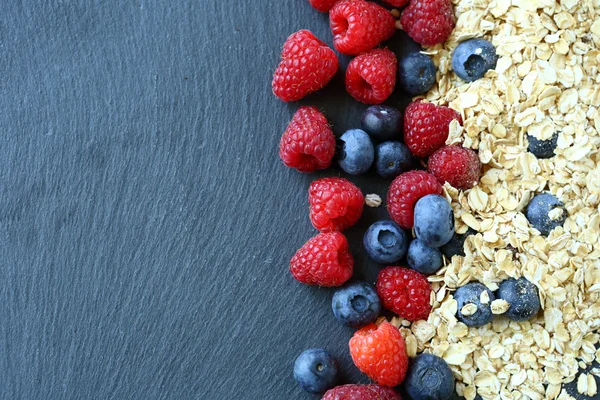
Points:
(356, 151)
(473, 58)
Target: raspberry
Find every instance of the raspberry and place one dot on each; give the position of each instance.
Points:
(324, 260)
(396, 3)
(380, 352)
(307, 64)
(428, 22)
(308, 142)
(359, 25)
(361, 392)
(426, 127)
(405, 292)
(322, 5)
(335, 204)
(405, 191)
(456, 165)
(371, 76)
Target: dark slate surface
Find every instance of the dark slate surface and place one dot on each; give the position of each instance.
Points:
(146, 222)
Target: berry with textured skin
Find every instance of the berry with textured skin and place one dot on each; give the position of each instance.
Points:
(426, 127)
(456, 245)
(308, 142)
(371, 76)
(382, 122)
(473, 58)
(396, 3)
(356, 152)
(434, 220)
(380, 352)
(315, 370)
(392, 158)
(542, 148)
(385, 242)
(405, 191)
(424, 259)
(428, 22)
(356, 304)
(335, 204)
(545, 212)
(307, 64)
(322, 5)
(429, 377)
(405, 292)
(361, 392)
(456, 165)
(324, 260)
(522, 296)
(416, 73)
(359, 25)
(471, 294)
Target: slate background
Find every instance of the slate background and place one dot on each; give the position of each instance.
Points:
(146, 222)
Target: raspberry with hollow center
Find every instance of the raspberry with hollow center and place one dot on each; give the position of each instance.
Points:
(428, 22)
(361, 392)
(335, 204)
(359, 25)
(380, 352)
(324, 260)
(308, 142)
(405, 292)
(371, 76)
(456, 165)
(404, 193)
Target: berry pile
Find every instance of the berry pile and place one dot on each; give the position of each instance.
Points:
(412, 244)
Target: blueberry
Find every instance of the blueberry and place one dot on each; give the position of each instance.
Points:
(541, 215)
(356, 152)
(385, 242)
(542, 148)
(434, 220)
(471, 294)
(429, 378)
(456, 245)
(416, 73)
(473, 58)
(382, 122)
(392, 159)
(356, 304)
(315, 370)
(424, 259)
(522, 296)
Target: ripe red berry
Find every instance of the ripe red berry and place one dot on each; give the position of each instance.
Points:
(322, 5)
(308, 142)
(426, 127)
(405, 191)
(428, 22)
(371, 76)
(324, 260)
(396, 3)
(359, 25)
(335, 204)
(456, 165)
(405, 292)
(307, 64)
(361, 392)
(380, 352)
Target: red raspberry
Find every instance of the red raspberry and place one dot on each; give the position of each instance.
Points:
(322, 5)
(335, 204)
(426, 127)
(307, 64)
(361, 392)
(324, 260)
(405, 292)
(457, 165)
(405, 191)
(371, 76)
(396, 3)
(359, 25)
(308, 142)
(380, 352)
(428, 22)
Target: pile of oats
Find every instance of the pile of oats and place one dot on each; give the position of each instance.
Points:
(547, 80)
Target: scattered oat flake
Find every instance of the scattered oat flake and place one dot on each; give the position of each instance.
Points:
(373, 200)
(499, 306)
